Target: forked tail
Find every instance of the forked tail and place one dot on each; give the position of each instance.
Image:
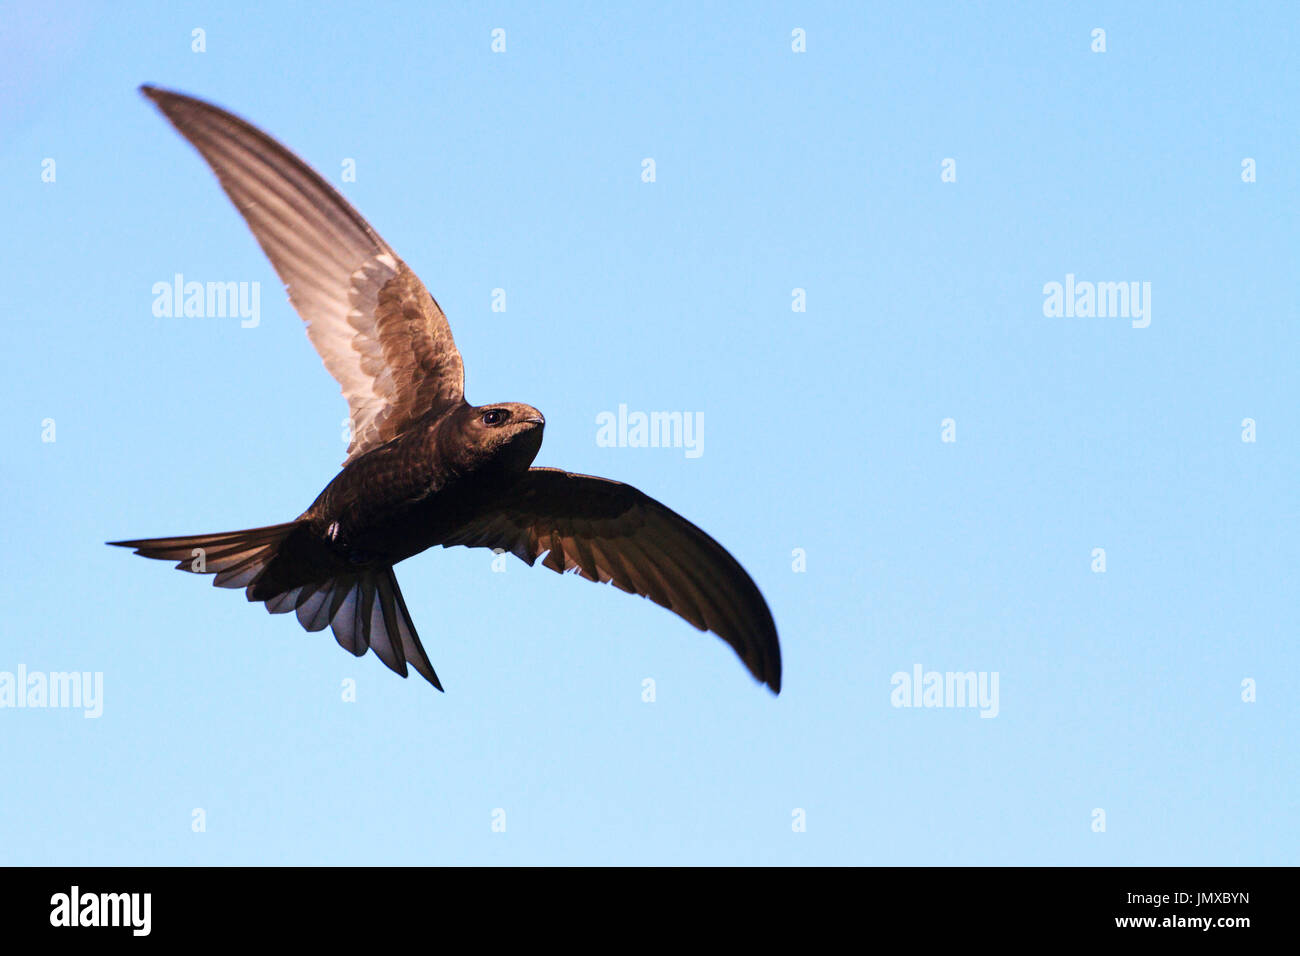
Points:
(288, 572)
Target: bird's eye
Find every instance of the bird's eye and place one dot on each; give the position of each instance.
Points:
(495, 416)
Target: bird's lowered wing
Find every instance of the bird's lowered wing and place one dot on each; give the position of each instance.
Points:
(610, 532)
(375, 325)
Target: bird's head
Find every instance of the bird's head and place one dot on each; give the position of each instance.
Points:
(503, 436)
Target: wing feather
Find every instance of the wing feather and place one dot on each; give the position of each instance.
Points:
(610, 532)
(377, 329)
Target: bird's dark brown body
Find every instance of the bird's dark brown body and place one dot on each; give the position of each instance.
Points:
(424, 467)
(404, 497)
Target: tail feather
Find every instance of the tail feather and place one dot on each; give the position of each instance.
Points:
(364, 607)
(315, 611)
(411, 645)
(367, 611)
(231, 555)
(390, 647)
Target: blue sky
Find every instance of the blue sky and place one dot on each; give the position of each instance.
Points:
(1119, 691)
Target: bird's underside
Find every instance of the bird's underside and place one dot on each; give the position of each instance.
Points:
(424, 467)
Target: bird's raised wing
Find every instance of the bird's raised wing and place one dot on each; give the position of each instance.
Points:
(610, 532)
(375, 325)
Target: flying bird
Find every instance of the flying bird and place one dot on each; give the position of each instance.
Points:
(424, 467)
